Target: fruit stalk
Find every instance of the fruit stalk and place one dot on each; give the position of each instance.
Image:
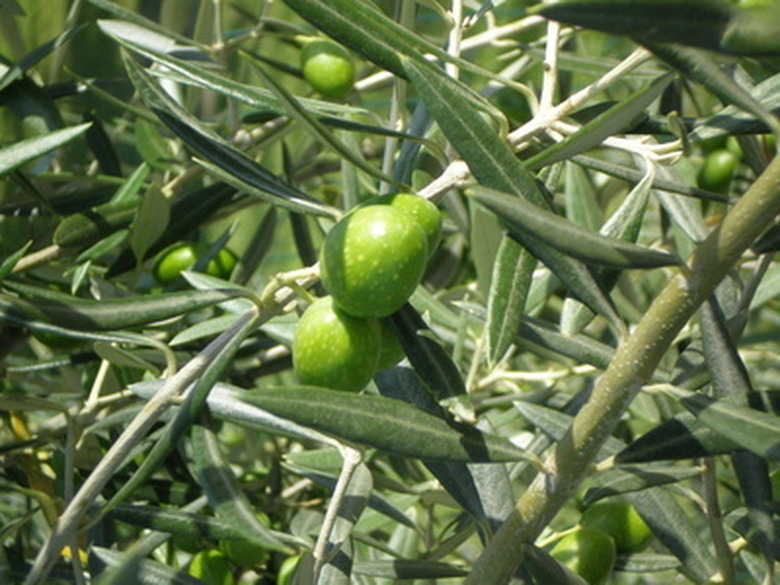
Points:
(633, 364)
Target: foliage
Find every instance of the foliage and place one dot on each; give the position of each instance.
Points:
(597, 321)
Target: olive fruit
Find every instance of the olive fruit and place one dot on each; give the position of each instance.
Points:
(211, 566)
(588, 552)
(718, 169)
(334, 349)
(391, 351)
(423, 211)
(328, 68)
(172, 261)
(621, 521)
(372, 260)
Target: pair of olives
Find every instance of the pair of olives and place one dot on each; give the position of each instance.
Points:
(606, 529)
(370, 263)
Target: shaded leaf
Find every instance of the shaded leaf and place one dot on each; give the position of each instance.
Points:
(237, 168)
(92, 315)
(750, 429)
(224, 494)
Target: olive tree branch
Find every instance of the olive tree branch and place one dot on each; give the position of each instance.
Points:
(632, 366)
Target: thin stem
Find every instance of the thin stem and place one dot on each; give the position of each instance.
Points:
(632, 366)
(352, 460)
(723, 552)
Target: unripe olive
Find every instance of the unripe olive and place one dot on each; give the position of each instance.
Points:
(372, 260)
(717, 170)
(588, 552)
(621, 521)
(391, 351)
(422, 210)
(328, 68)
(211, 566)
(175, 259)
(334, 349)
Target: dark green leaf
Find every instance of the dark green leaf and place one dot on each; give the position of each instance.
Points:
(383, 423)
(524, 218)
(92, 315)
(224, 494)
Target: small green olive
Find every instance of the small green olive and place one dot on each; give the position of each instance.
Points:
(391, 351)
(373, 259)
(211, 566)
(175, 259)
(328, 68)
(588, 552)
(621, 521)
(333, 349)
(422, 210)
(717, 170)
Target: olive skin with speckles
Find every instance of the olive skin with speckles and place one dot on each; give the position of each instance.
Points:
(372, 260)
(333, 349)
(423, 211)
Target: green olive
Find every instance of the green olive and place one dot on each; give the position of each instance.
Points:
(422, 210)
(328, 68)
(334, 349)
(717, 170)
(175, 259)
(211, 566)
(373, 259)
(588, 552)
(622, 522)
(391, 351)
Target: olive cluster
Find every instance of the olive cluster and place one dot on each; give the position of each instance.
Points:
(370, 263)
(606, 529)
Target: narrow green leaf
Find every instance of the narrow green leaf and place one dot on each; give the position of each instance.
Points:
(699, 66)
(37, 55)
(143, 571)
(524, 218)
(634, 176)
(7, 265)
(429, 359)
(483, 490)
(624, 224)
(678, 529)
(88, 227)
(92, 315)
(190, 409)
(699, 23)
(384, 423)
(512, 276)
(224, 494)
(150, 223)
(682, 437)
(242, 171)
(295, 109)
(579, 347)
(225, 403)
(22, 152)
(408, 569)
(494, 165)
(178, 522)
(623, 480)
(616, 120)
(750, 429)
